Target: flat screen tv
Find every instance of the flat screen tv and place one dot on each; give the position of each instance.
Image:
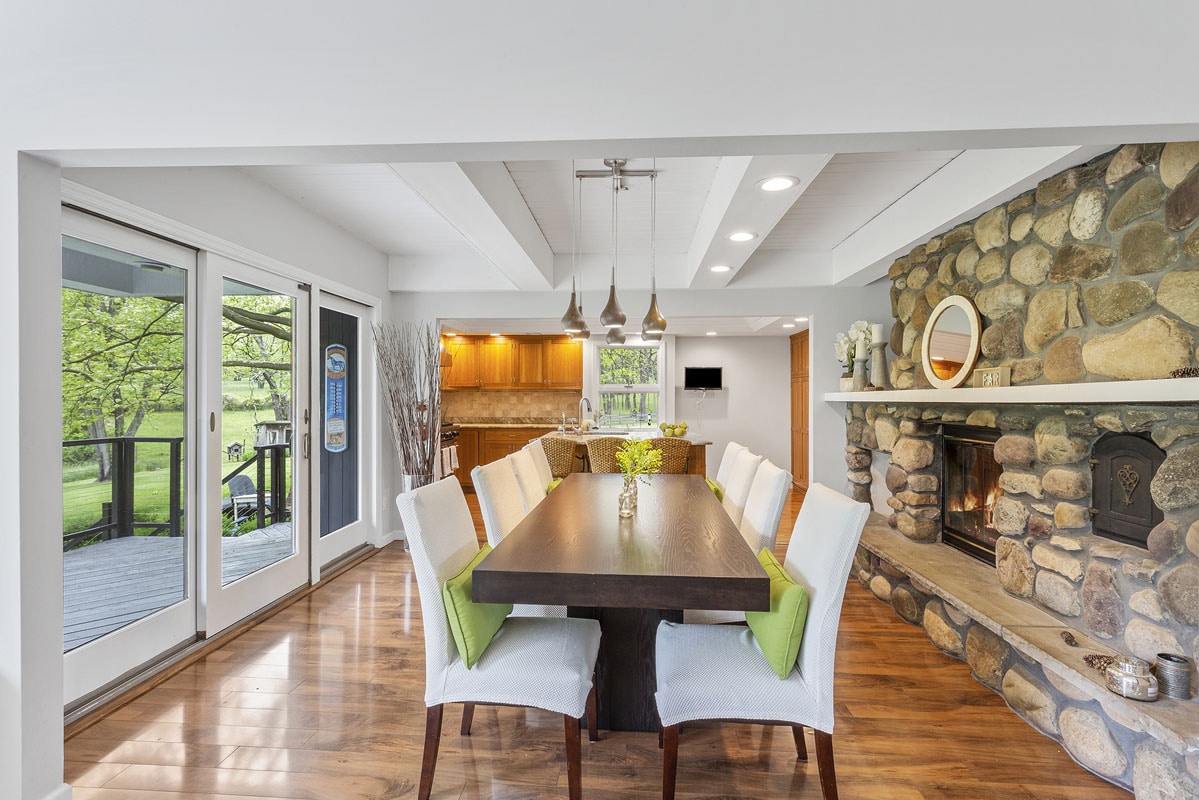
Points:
(702, 378)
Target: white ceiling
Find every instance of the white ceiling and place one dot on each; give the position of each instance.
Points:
(474, 226)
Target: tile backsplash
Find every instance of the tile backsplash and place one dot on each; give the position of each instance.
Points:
(515, 406)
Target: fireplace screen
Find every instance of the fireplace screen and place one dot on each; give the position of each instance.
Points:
(969, 490)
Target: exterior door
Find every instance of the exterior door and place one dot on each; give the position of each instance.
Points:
(800, 399)
(345, 444)
(256, 433)
(128, 358)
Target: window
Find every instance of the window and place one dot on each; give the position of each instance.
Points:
(629, 387)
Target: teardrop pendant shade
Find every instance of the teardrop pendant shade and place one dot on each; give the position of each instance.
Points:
(615, 336)
(612, 316)
(654, 322)
(582, 335)
(651, 336)
(572, 320)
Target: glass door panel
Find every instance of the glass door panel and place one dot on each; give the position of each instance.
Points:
(128, 563)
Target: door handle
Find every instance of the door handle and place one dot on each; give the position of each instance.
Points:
(305, 445)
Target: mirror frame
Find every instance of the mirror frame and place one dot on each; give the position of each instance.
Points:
(975, 322)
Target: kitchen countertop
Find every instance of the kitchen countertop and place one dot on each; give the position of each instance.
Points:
(644, 433)
(639, 434)
(507, 424)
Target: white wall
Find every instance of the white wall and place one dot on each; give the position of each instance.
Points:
(753, 408)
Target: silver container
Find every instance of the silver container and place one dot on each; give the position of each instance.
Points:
(1130, 677)
(1173, 675)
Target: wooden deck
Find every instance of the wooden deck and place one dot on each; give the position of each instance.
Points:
(111, 584)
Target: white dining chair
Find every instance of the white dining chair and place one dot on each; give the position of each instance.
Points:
(500, 500)
(726, 462)
(741, 478)
(759, 527)
(718, 672)
(541, 461)
(532, 490)
(502, 507)
(531, 661)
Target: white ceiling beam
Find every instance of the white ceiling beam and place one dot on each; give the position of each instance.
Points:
(974, 182)
(481, 200)
(736, 203)
(435, 273)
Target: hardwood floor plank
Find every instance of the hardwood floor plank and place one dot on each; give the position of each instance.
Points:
(325, 699)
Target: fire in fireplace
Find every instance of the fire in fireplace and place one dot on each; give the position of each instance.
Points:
(969, 490)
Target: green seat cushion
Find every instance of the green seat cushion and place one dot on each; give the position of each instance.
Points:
(553, 485)
(715, 487)
(779, 631)
(472, 624)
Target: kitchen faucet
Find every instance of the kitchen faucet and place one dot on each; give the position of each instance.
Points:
(583, 400)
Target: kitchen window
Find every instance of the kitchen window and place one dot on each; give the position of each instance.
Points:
(630, 387)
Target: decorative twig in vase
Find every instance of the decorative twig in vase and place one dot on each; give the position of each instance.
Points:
(638, 460)
(409, 357)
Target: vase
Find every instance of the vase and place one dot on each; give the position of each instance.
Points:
(859, 379)
(628, 497)
(847, 382)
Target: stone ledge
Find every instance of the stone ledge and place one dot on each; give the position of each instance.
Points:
(971, 587)
(1159, 390)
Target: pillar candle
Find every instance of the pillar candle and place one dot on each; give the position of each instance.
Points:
(862, 350)
(876, 333)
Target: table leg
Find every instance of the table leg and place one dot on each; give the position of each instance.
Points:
(625, 674)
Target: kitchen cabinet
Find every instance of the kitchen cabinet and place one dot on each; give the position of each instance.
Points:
(495, 443)
(563, 364)
(468, 455)
(514, 362)
(463, 372)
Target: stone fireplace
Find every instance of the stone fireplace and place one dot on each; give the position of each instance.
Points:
(1088, 287)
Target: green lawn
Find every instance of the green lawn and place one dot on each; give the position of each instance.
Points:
(83, 496)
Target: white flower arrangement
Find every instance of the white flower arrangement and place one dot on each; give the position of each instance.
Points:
(844, 344)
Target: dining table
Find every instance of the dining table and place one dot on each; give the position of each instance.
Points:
(679, 550)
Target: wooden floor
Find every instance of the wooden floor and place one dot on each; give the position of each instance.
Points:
(324, 700)
(110, 584)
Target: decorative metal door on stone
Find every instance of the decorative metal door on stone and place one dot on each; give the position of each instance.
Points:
(1124, 465)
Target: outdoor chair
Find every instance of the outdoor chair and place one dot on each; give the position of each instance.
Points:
(718, 672)
(601, 452)
(243, 499)
(674, 454)
(541, 662)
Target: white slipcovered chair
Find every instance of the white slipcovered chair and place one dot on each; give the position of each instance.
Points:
(759, 527)
(741, 478)
(541, 462)
(531, 661)
(532, 490)
(503, 508)
(717, 672)
(726, 462)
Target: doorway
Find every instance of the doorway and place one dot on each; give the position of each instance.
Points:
(800, 407)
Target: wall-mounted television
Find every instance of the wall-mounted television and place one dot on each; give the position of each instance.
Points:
(702, 378)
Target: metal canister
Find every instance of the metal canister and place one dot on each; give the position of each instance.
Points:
(1131, 677)
(1173, 675)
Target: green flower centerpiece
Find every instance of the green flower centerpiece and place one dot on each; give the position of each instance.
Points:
(637, 461)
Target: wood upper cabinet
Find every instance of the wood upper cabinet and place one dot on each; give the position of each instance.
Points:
(563, 364)
(530, 364)
(496, 362)
(513, 362)
(463, 372)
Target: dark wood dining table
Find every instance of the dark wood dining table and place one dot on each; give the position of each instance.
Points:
(679, 550)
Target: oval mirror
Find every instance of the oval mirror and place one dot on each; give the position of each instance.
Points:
(951, 342)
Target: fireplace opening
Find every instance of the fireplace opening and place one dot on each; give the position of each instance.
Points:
(970, 488)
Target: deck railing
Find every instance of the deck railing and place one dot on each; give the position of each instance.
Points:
(117, 518)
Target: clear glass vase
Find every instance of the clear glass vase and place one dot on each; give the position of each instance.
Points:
(628, 497)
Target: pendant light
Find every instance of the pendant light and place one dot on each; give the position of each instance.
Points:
(583, 333)
(612, 316)
(654, 324)
(572, 320)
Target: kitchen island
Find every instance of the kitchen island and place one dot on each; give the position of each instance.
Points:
(697, 459)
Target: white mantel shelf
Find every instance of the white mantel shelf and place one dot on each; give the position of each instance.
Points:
(1167, 390)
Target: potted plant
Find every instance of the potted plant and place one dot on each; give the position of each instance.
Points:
(638, 460)
(409, 360)
(845, 347)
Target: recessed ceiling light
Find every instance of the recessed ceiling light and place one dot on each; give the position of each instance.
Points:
(497, 334)
(788, 324)
(711, 333)
(742, 236)
(801, 319)
(777, 183)
(719, 268)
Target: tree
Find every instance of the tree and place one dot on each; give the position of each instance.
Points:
(256, 336)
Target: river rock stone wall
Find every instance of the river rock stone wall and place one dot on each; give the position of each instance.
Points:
(1094, 275)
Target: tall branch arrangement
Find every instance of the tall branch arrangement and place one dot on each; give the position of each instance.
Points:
(409, 358)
